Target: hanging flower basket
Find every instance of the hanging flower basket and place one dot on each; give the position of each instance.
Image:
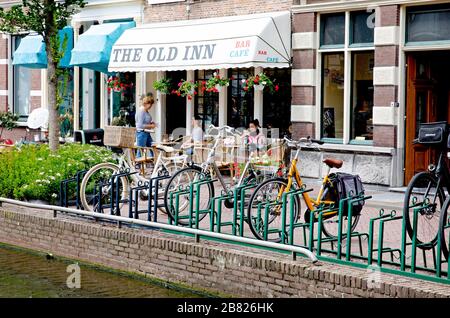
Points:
(163, 85)
(186, 88)
(259, 82)
(216, 83)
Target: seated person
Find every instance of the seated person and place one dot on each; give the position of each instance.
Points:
(254, 138)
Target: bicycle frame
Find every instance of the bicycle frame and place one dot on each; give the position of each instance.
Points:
(294, 174)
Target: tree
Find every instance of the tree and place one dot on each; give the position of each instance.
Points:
(45, 17)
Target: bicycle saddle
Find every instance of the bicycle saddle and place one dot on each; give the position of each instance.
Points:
(333, 163)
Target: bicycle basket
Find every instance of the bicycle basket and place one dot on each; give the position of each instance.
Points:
(117, 136)
(433, 133)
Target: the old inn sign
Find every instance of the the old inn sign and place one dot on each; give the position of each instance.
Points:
(243, 41)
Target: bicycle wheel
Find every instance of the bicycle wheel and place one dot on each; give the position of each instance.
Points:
(89, 187)
(170, 169)
(423, 192)
(330, 225)
(182, 180)
(266, 198)
(445, 230)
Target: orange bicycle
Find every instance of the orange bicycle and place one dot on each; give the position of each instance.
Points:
(268, 195)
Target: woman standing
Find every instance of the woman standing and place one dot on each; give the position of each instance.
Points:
(144, 122)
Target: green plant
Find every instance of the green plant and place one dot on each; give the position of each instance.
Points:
(216, 80)
(186, 88)
(260, 79)
(163, 85)
(32, 172)
(118, 84)
(8, 120)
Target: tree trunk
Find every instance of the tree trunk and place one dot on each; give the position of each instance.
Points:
(53, 113)
(53, 108)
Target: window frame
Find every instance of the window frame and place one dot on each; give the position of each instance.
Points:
(348, 50)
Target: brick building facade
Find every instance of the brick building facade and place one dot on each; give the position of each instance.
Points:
(359, 73)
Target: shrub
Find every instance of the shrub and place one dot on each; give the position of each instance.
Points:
(32, 172)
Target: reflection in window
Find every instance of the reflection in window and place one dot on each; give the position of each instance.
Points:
(431, 24)
(362, 28)
(333, 95)
(362, 96)
(333, 29)
(206, 104)
(22, 86)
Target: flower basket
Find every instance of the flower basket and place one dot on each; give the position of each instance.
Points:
(163, 85)
(117, 136)
(216, 83)
(117, 84)
(259, 82)
(186, 88)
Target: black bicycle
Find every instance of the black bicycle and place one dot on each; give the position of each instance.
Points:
(428, 190)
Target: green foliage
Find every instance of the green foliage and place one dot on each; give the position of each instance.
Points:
(33, 172)
(7, 120)
(163, 85)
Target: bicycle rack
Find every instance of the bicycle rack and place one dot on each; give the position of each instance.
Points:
(134, 197)
(113, 184)
(217, 214)
(64, 190)
(239, 207)
(154, 194)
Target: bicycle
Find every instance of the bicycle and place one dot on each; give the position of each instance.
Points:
(126, 162)
(207, 170)
(271, 192)
(427, 195)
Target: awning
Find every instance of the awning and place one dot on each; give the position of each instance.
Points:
(240, 41)
(31, 52)
(93, 47)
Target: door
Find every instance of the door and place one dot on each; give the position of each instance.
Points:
(421, 107)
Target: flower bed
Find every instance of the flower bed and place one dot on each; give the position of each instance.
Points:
(32, 172)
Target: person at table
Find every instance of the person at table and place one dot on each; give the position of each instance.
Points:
(144, 122)
(255, 138)
(196, 137)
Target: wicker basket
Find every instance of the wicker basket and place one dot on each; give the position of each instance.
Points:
(117, 136)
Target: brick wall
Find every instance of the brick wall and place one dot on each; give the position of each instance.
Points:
(387, 61)
(210, 8)
(209, 266)
(304, 28)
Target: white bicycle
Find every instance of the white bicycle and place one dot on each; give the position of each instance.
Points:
(95, 188)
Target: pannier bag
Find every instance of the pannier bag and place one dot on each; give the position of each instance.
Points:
(348, 185)
(433, 133)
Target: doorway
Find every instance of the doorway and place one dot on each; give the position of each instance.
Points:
(175, 105)
(427, 100)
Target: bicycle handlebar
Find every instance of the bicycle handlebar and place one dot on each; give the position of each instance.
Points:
(304, 140)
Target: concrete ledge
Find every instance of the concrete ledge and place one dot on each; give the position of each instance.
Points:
(211, 266)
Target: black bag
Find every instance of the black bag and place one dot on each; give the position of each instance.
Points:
(348, 185)
(433, 133)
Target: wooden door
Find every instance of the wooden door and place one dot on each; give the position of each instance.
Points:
(421, 107)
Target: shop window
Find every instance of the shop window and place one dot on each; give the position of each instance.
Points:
(206, 104)
(362, 95)
(333, 30)
(428, 24)
(333, 95)
(240, 103)
(21, 87)
(362, 28)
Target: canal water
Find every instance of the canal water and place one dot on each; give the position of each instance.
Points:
(24, 274)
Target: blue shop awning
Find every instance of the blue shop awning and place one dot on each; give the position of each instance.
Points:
(93, 48)
(31, 52)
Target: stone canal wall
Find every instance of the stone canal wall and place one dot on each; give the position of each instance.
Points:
(209, 266)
